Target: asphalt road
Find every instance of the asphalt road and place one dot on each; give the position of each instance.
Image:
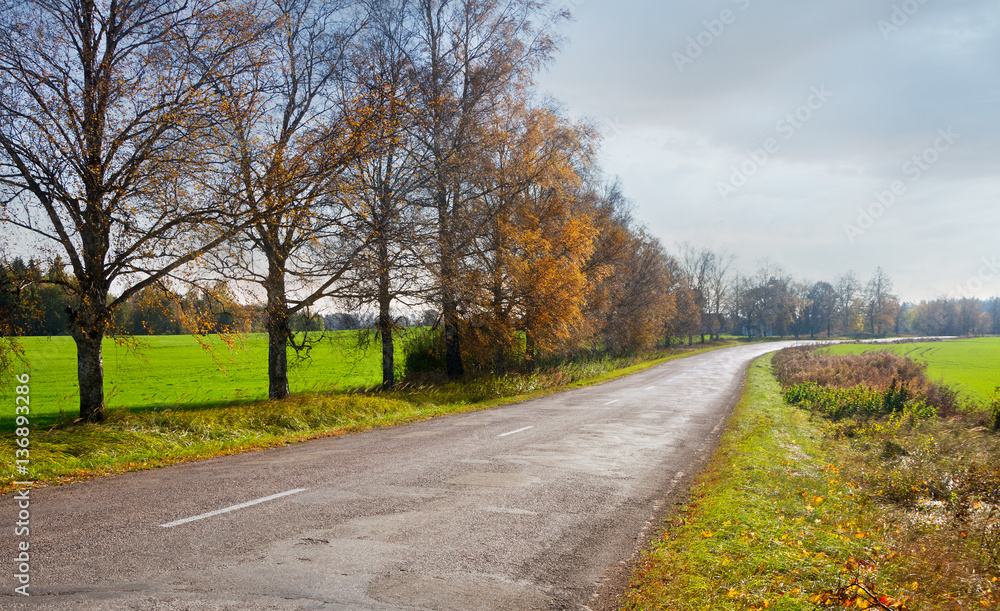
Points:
(529, 506)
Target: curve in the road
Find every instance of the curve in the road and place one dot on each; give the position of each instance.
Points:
(520, 507)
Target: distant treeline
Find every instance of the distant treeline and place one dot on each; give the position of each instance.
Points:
(34, 302)
(703, 299)
(965, 316)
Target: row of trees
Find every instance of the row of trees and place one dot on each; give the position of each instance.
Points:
(959, 316)
(770, 302)
(385, 154)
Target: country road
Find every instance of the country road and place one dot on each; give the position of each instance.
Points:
(523, 507)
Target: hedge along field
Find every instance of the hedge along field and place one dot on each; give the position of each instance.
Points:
(175, 370)
(971, 366)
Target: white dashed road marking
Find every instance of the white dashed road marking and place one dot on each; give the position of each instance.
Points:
(517, 431)
(233, 508)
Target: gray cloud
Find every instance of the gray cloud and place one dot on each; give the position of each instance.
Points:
(896, 79)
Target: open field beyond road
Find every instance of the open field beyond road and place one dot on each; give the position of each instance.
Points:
(175, 370)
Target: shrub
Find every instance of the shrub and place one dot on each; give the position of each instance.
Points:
(900, 380)
(875, 369)
(425, 352)
(839, 403)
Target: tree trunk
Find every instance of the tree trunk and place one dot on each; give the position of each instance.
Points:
(501, 347)
(449, 302)
(499, 362)
(449, 306)
(90, 375)
(277, 357)
(452, 344)
(278, 332)
(529, 352)
(88, 323)
(385, 326)
(388, 352)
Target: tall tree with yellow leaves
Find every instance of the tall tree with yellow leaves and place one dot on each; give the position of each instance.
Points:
(469, 55)
(530, 278)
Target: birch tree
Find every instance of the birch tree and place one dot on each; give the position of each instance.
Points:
(470, 54)
(381, 185)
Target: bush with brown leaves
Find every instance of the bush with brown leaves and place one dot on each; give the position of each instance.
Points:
(876, 370)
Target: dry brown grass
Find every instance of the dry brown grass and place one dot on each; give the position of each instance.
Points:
(934, 480)
(878, 370)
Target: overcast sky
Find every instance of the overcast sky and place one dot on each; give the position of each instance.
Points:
(827, 136)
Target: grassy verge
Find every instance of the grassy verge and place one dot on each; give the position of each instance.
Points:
(788, 516)
(143, 438)
(770, 524)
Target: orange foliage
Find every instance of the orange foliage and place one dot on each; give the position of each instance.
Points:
(530, 278)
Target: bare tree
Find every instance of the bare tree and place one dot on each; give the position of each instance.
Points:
(880, 305)
(822, 306)
(706, 273)
(848, 290)
(289, 130)
(382, 184)
(102, 112)
(695, 265)
(717, 291)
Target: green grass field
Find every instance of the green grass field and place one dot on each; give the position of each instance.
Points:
(177, 371)
(971, 366)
